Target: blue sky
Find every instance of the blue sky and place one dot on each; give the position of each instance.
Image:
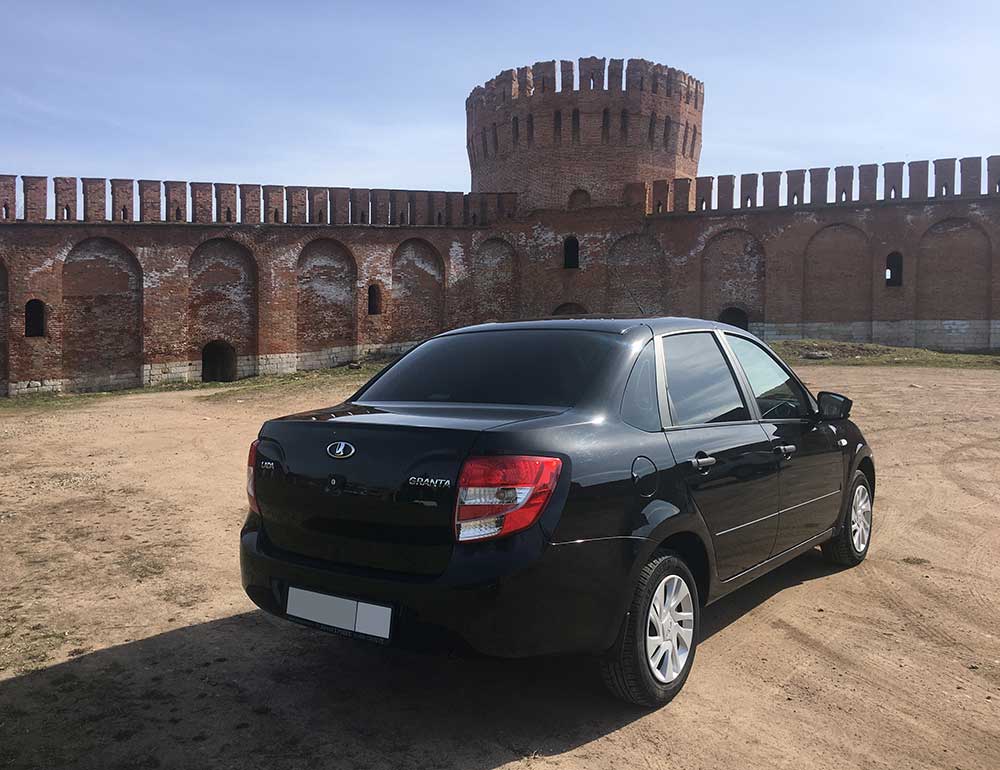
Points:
(372, 94)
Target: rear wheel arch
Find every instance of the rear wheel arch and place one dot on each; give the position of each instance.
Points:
(692, 550)
(867, 467)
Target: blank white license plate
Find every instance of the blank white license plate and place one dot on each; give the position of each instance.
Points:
(335, 611)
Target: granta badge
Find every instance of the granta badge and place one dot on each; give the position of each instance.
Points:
(419, 481)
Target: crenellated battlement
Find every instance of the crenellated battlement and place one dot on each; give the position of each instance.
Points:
(589, 74)
(176, 202)
(915, 181)
(563, 132)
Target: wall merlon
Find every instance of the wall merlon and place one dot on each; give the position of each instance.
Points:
(892, 174)
(340, 206)
(525, 84)
(177, 202)
(919, 178)
(843, 182)
(438, 208)
(748, 191)
(566, 72)
(868, 182)
(36, 194)
(972, 176)
(993, 175)
(122, 200)
(418, 207)
(682, 194)
(65, 195)
(250, 204)
(727, 191)
(274, 204)
(150, 200)
(297, 205)
(772, 189)
(944, 177)
(507, 205)
(399, 207)
(703, 188)
(795, 186)
(8, 198)
(360, 199)
(319, 203)
(95, 199)
(615, 69)
(819, 185)
(591, 73)
(225, 203)
(201, 202)
(543, 74)
(660, 203)
(455, 208)
(380, 207)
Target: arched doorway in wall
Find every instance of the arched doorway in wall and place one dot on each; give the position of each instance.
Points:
(222, 298)
(218, 362)
(638, 278)
(101, 316)
(735, 317)
(570, 308)
(578, 199)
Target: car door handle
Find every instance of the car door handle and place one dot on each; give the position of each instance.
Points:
(702, 463)
(786, 449)
(842, 443)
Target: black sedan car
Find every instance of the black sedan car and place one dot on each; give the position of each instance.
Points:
(558, 486)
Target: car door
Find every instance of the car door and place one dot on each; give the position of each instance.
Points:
(723, 453)
(810, 452)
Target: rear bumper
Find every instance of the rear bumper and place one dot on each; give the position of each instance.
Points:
(520, 598)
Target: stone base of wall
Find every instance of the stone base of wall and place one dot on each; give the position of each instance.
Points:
(325, 358)
(938, 335)
(28, 387)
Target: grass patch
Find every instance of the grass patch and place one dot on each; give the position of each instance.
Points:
(796, 353)
(339, 377)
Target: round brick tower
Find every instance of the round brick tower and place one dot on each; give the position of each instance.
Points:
(563, 146)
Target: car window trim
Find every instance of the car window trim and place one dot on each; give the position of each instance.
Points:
(662, 393)
(811, 404)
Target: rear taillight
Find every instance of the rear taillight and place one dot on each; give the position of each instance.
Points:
(251, 462)
(500, 495)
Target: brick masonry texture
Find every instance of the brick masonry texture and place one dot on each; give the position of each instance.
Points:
(138, 286)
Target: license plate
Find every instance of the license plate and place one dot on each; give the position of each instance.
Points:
(338, 612)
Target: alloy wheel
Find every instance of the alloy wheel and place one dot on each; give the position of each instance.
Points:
(861, 518)
(669, 629)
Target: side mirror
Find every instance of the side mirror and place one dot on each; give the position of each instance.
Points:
(833, 406)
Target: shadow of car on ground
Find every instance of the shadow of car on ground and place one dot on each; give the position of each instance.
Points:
(255, 691)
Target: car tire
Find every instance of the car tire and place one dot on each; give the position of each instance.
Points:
(635, 669)
(850, 545)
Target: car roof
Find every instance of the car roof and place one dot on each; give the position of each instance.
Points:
(601, 323)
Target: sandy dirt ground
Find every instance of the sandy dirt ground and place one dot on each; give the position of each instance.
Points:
(126, 640)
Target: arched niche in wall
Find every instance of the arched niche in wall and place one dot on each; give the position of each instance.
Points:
(732, 275)
(326, 309)
(637, 272)
(222, 297)
(578, 199)
(494, 278)
(101, 316)
(418, 280)
(570, 308)
(837, 284)
(953, 284)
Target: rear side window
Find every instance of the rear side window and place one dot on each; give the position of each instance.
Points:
(639, 406)
(700, 385)
(778, 394)
(542, 367)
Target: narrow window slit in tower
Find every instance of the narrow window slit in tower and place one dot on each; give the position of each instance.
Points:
(605, 126)
(576, 126)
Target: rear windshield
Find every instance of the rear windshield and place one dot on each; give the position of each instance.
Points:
(539, 367)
